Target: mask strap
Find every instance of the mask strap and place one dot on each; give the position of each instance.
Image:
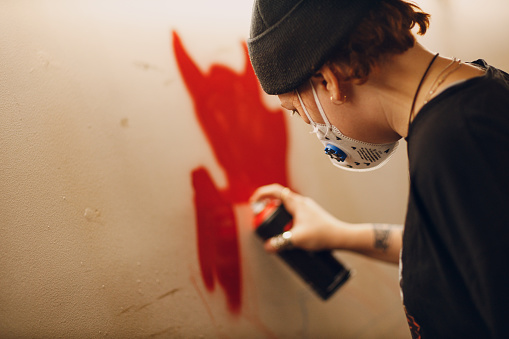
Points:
(315, 127)
(320, 109)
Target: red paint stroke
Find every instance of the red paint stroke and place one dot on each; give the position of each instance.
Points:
(218, 249)
(249, 142)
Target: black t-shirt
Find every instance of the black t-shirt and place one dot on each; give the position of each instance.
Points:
(455, 259)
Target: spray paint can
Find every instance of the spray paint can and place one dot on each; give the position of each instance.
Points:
(319, 269)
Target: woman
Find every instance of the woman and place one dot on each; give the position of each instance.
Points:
(353, 71)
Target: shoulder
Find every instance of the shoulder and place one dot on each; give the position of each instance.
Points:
(468, 122)
(480, 101)
(491, 88)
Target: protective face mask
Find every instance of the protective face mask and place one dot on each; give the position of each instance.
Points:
(344, 152)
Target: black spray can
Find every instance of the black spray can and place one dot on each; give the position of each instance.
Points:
(320, 270)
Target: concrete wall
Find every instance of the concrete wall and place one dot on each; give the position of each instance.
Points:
(124, 174)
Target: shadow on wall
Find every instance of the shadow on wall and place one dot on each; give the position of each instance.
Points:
(249, 142)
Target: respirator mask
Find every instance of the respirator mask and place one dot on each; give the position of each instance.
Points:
(345, 152)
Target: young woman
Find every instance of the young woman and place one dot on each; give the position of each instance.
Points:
(354, 72)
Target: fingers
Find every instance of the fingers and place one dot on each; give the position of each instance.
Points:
(276, 191)
(267, 192)
(279, 243)
(273, 191)
(288, 197)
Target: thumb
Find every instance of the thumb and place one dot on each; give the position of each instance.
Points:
(276, 191)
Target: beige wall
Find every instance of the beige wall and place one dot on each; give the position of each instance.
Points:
(98, 138)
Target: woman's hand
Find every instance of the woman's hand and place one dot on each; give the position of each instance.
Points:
(313, 228)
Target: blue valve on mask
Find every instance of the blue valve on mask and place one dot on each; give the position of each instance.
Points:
(335, 153)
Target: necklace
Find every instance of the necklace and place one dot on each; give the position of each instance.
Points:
(441, 78)
(419, 88)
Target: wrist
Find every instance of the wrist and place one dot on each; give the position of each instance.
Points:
(343, 236)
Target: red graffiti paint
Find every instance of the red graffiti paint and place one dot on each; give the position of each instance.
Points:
(218, 249)
(249, 142)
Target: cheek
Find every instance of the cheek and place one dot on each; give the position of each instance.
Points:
(356, 126)
(311, 107)
(300, 109)
(354, 122)
(352, 125)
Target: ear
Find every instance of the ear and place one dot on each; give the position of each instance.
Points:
(333, 84)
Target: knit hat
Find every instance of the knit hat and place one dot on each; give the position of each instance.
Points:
(291, 40)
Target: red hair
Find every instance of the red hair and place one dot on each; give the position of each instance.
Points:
(385, 31)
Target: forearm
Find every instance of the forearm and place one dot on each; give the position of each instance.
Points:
(379, 241)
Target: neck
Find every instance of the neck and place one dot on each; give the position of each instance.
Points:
(397, 80)
(396, 84)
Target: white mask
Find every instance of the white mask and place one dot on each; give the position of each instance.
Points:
(344, 152)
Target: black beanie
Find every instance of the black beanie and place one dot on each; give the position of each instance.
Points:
(291, 40)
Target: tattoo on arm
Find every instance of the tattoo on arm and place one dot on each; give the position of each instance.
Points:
(382, 233)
